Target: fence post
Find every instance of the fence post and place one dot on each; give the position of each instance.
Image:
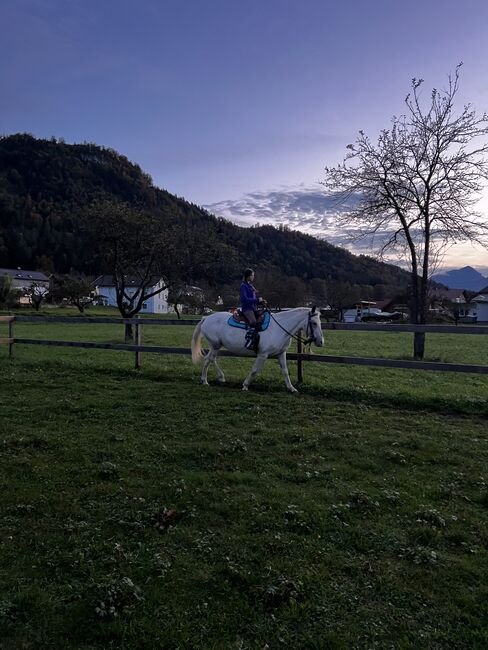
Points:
(138, 342)
(300, 362)
(11, 336)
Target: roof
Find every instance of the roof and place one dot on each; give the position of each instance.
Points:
(481, 297)
(455, 295)
(386, 302)
(130, 281)
(24, 274)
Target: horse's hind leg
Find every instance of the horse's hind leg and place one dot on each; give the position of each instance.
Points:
(206, 362)
(211, 357)
(255, 370)
(218, 369)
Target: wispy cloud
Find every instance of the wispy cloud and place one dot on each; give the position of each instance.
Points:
(305, 208)
(310, 210)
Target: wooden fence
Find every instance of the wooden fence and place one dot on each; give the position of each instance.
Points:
(300, 356)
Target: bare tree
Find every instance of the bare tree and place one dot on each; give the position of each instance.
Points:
(137, 250)
(415, 190)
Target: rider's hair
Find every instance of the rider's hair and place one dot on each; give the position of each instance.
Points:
(247, 274)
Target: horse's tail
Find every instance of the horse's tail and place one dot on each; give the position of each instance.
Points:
(196, 347)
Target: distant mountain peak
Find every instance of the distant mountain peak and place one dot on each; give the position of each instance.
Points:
(465, 278)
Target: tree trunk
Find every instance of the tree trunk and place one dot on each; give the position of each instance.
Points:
(129, 333)
(419, 317)
(177, 311)
(419, 345)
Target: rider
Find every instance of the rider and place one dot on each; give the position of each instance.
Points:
(249, 305)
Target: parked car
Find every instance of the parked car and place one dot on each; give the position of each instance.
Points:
(378, 316)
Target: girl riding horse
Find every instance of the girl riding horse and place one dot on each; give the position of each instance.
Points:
(249, 305)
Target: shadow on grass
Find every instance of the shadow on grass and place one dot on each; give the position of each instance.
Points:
(476, 407)
(472, 407)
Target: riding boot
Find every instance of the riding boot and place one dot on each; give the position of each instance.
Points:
(250, 334)
(255, 340)
(256, 337)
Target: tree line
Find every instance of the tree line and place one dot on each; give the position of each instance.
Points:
(83, 210)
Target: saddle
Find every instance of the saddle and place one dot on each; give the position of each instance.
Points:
(237, 319)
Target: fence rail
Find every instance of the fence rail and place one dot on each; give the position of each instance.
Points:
(369, 327)
(300, 356)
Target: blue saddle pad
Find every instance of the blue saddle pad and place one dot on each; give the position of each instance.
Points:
(244, 326)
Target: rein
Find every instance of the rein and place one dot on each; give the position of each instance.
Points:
(307, 341)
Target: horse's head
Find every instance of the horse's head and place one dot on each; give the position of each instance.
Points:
(314, 327)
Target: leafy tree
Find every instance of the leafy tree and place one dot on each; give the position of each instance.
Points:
(141, 256)
(37, 293)
(317, 291)
(76, 289)
(414, 191)
(5, 290)
(342, 295)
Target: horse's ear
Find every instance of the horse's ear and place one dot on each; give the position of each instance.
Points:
(313, 309)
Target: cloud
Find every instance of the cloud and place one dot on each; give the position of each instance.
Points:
(307, 209)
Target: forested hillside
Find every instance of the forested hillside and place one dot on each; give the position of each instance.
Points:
(49, 191)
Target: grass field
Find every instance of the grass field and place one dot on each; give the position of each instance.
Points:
(141, 510)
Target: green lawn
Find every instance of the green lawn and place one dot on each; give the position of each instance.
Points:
(142, 510)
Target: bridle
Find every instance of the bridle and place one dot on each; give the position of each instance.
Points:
(308, 332)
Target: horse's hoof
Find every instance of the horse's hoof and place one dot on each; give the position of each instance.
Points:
(203, 382)
(245, 388)
(221, 380)
(293, 390)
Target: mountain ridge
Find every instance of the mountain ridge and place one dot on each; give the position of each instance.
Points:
(464, 278)
(45, 186)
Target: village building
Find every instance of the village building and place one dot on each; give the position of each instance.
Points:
(105, 293)
(474, 310)
(481, 303)
(25, 282)
(22, 280)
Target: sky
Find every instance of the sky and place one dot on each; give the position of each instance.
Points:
(236, 106)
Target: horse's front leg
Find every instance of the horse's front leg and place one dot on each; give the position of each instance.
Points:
(261, 358)
(284, 372)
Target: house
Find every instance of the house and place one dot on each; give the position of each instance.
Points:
(105, 293)
(474, 310)
(465, 311)
(440, 298)
(24, 281)
(481, 302)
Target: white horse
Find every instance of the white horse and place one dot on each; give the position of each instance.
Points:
(273, 342)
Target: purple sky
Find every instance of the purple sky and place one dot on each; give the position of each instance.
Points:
(220, 100)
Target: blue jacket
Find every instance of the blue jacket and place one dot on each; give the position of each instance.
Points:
(249, 300)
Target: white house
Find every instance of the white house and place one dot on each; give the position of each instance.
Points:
(104, 289)
(481, 302)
